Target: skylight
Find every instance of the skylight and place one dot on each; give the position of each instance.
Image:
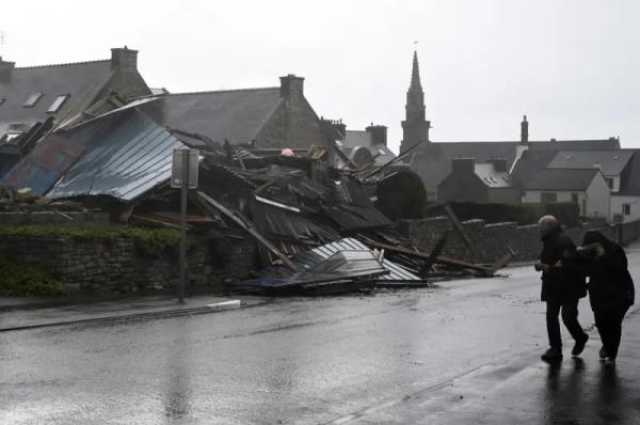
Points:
(32, 100)
(55, 106)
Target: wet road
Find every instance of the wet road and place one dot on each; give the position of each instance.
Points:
(466, 352)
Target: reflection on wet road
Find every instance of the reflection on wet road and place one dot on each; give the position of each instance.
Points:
(463, 353)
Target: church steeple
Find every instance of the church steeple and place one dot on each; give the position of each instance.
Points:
(415, 74)
(415, 128)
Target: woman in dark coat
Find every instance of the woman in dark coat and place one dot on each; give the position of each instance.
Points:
(611, 290)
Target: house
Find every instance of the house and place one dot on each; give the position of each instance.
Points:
(37, 98)
(585, 187)
(478, 182)
(620, 169)
(262, 120)
(361, 147)
(433, 160)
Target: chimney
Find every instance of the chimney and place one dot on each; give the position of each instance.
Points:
(6, 69)
(524, 130)
(378, 134)
(291, 86)
(124, 59)
(336, 128)
(463, 166)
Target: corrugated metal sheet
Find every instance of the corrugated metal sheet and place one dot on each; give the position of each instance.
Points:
(396, 273)
(125, 162)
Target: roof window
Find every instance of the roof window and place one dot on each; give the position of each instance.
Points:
(32, 100)
(57, 104)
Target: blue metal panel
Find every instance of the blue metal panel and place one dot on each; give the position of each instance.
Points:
(127, 161)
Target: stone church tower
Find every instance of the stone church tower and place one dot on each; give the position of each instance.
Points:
(415, 128)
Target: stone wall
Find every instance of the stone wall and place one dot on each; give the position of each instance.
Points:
(492, 241)
(122, 265)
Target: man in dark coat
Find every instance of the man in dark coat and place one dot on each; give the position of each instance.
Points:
(563, 284)
(611, 290)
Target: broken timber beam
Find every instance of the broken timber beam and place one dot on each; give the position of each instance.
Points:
(460, 229)
(248, 227)
(439, 259)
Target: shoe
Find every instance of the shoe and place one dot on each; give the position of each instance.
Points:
(552, 355)
(603, 354)
(579, 347)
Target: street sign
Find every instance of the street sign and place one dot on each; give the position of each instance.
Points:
(178, 169)
(184, 176)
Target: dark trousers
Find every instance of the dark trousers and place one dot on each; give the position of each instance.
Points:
(569, 318)
(609, 325)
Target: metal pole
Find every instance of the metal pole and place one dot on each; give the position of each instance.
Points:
(184, 190)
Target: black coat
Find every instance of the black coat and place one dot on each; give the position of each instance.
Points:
(566, 282)
(610, 284)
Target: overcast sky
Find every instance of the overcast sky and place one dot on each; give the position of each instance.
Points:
(572, 66)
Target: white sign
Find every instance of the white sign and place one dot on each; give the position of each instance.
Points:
(179, 171)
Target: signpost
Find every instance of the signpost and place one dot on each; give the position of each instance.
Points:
(184, 176)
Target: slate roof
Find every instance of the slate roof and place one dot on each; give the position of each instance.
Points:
(611, 143)
(433, 160)
(560, 180)
(630, 183)
(610, 163)
(235, 115)
(530, 164)
(82, 81)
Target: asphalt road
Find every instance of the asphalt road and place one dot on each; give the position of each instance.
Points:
(466, 352)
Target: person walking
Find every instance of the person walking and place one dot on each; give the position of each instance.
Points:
(611, 290)
(563, 284)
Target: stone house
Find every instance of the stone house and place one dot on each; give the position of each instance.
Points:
(479, 182)
(262, 120)
(37, 98)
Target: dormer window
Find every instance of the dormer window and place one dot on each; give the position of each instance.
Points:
(32, 100)
(57, 104)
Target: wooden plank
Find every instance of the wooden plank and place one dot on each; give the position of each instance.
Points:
(248, 227)
(460, 229)
(439, 259)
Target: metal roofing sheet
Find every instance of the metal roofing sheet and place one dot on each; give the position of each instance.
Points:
(127, 161)
(396, 273)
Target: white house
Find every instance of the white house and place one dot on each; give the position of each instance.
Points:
(585, 187)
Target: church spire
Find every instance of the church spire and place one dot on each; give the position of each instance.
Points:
(415, 74)
(415, 128)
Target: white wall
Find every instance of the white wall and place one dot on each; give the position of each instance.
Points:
(634, 204)
(598, 198)
(535, 196)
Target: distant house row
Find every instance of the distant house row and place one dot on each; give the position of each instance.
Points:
(595, 174)
(51, 99)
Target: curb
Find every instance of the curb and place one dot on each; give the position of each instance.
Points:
(205, 309)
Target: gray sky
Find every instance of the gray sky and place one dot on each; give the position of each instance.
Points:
(572, 66)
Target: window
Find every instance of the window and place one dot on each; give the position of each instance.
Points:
(626, 209)
(609, 183)
(55, 106)
(32, 100)
(548, 197)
